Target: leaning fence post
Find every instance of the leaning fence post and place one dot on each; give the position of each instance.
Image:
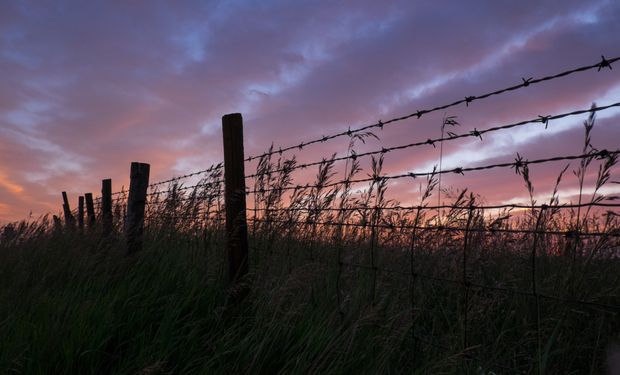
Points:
(134, 222)
(234, 180)
(90, 208)
(81, 212)
(67, 210)
(106, 206)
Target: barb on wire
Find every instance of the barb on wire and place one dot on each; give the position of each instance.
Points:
(604, 64)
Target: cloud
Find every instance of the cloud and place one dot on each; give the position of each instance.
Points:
(9, 185)
(89, 87)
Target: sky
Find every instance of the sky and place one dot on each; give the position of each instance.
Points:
(87, 87)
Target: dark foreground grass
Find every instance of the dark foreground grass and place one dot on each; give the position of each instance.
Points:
(73, 304)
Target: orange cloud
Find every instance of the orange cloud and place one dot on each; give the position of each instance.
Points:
(9, 185)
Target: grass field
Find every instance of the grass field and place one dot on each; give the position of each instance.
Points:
(71, 303)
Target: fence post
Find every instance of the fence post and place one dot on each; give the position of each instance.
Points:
(234, 180)
(106, 206)
(134, 222)
(67, 210)
(90, 208)
(81, 212)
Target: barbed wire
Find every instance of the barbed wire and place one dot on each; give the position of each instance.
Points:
(518, 164)
(490, 229)
(212, 168)
(474, 133)
(439, 207)
(184, 188)
(604, 63)
(114, 194)
(181, 198)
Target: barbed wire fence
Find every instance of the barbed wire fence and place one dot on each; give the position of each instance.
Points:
(355, 213)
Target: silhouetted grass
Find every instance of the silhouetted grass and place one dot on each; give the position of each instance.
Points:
(72, 303)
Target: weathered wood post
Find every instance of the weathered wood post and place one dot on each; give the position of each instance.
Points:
(234, 195)
(90, 208)
(134, 222)
(81, 212)
(106, 206)
(67, 210)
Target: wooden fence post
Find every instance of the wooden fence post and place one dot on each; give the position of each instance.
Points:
(67, 210)
(106, 206)
(134, 222)
(81, 212)
(90, 208)
(234, 180)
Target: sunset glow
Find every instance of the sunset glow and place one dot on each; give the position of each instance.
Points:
(89, 88)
